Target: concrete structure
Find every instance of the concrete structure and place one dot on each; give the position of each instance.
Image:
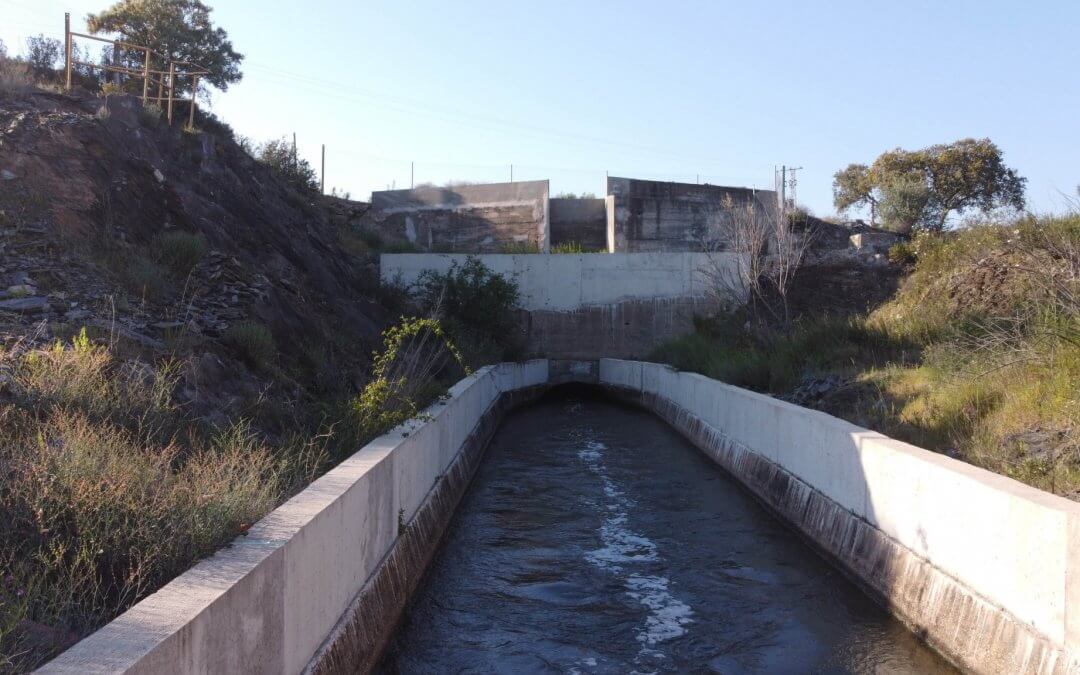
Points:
(579, 221)
(471, 218)
(591, 305)
(985, 569)
(634, 216)
(655, 216)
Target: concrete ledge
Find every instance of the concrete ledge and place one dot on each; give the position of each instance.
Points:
(983, 568)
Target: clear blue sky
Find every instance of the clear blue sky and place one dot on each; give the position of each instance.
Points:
(569, 90)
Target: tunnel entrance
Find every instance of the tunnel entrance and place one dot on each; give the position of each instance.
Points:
(594, 538)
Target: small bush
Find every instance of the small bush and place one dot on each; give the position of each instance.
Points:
(478, 308)
(15, 77)
(110, 88)
(406, 374)
(279, 156)
(150, 115)
(145, 278)
(902, 253)
(179, 251)
(253, 342)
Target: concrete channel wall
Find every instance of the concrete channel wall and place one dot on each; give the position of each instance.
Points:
(984, 568)
(318, 584)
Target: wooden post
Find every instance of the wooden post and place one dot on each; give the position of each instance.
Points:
(194, 89)
(172, 72)
(116, 63)
(67, 51)
(146, 77)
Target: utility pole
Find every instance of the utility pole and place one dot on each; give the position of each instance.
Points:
(412, 175)
(295, 163)
(794, 183)
(511, 173)
(67, 51)
(322, 173)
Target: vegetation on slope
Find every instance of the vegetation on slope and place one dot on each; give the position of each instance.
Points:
(977, 355)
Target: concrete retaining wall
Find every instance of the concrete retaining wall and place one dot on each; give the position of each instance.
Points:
(568, 282)
(986, 569)
(319, 583)
(584, 306)
(658, 216)
(473, 218)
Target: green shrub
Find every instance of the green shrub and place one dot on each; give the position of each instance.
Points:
(253, 342)
(575, 247)
(150, 115)
(405, 376)
(902, 253)
(478, 308)
(145, 278)
(179, 251)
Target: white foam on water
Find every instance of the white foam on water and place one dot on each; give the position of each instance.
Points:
(622, 547)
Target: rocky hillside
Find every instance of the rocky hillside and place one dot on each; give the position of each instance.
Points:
(171, 242)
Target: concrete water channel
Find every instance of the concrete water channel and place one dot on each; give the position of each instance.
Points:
(596, 539)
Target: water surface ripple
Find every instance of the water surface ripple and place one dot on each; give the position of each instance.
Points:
(595, 539)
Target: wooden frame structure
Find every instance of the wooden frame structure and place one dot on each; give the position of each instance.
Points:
(165, 79)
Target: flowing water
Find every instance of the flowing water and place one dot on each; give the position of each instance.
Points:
(595, 539)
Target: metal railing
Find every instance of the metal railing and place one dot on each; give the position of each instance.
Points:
(165, 79)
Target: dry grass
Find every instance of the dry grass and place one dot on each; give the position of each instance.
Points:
(977, 356)
(108, 491)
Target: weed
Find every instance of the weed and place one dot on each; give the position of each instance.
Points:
(145, 278)
(520, 247)
(253, 342)
(179, 251)
(575, 247)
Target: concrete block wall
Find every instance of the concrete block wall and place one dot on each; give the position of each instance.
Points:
(483, 218)
(268, 602)
(651, 215)
(985, 567)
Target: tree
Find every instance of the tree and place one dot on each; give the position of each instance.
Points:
(278, 155)
(42, 53)
(903, 202)
(922, 188)
(853, 188)
(179, 29)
